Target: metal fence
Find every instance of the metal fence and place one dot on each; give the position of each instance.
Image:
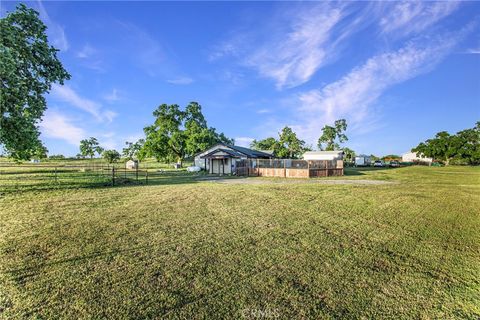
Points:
(44, 176)
(289, 168)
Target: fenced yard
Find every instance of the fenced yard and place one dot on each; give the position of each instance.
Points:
(60, 175)
(289, 168)
(183, 248)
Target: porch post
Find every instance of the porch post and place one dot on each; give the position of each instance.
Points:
(205, 164)
(223, 166)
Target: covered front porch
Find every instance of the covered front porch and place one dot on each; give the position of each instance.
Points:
(221, 161)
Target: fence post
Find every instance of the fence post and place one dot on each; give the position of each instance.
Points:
(136, 172)
(146, 177)
(113, 176)
(55, 174)
(284, 168)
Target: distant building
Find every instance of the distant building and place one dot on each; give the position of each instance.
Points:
(323, 155)
(412, 157)
(131, 164)
(362, 160)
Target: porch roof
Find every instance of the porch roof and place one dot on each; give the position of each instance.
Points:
(220, 153)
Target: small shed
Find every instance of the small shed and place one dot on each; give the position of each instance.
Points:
(412, 157)
(323, 155)
(131, 164)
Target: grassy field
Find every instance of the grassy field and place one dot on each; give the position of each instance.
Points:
(186, 248)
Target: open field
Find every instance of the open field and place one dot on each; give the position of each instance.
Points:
(187, 248)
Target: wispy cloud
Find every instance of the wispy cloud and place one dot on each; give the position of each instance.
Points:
(181, 81)
(56, 32)
(415, 16)
(55, 125)
(86, 52)
(354, 95)
(67, 94)
(293, 47)
(112, 96)
(263, 111)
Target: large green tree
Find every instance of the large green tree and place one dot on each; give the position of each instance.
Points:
(330, 136)
(269, 143)
(111, 156)
(132, 150)
(178, 133)
(288, 144)
(89, 147)
(348, 154)
(462, 147)
(28, 67)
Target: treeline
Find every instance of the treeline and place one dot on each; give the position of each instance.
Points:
(460, 148)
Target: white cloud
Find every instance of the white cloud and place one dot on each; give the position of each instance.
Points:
(67, 94)
(56, 33)
(243, 141)
(473, 51)
(181, 81)
(263, 111)
(112, 97)
(415, 16)
(353, 96)
(58, 126)
(291, 47)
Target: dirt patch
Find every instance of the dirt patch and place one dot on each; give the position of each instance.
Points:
(294, 181)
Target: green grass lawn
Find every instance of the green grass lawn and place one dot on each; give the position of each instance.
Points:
(183, 248)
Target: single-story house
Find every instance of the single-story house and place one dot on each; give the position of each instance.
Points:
(323, 155)
(221, 158)
(412, 157)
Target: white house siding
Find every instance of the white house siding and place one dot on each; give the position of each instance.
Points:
(412, 156)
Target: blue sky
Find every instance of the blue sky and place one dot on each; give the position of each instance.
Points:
(398, 72)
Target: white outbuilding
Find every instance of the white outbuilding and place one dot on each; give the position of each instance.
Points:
(412, 157)
(131, 164)
(323, 155)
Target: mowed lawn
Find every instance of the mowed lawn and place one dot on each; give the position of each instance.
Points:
(193, 250)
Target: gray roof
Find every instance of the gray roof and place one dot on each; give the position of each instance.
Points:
(251, 153)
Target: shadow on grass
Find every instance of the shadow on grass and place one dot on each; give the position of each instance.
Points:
(48, 183)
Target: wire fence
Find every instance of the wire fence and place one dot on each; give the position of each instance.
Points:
(46, 176)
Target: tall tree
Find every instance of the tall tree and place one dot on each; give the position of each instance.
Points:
(177, 133)
(330, 135)
(29, 66)
(462, 147)
(349, 154)
(269, 143)
(111, 156)
(89, 147)
(290, 145)
(131, 151)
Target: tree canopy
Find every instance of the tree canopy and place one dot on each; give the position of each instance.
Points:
(89, 147)
(330, 136)
(29, 66)
(132, 150)
(462, 147)
(288, 144)
(111, 156)
(178, 133)
(349, 154)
